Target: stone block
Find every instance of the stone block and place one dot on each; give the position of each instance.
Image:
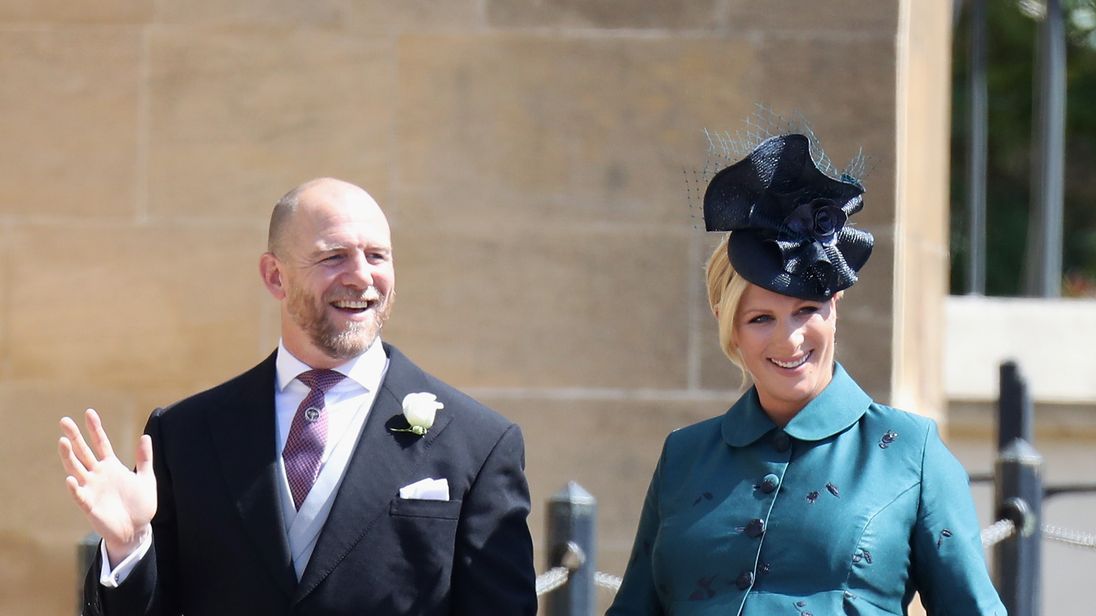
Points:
(37, 576)
(370, 17)
(414, 15)
(848, 102)
(551, 306)
(138, 309)
(833, 20)
(239, 116)
(100, 12)
(512, 128)
(606, 14)
(609, 446)
(36, 500)
(70, 122)
(865, 325)
(209, 12)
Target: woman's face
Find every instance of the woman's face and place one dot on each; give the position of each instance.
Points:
(787, 345)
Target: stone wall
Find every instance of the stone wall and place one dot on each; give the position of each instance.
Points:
(531, 156)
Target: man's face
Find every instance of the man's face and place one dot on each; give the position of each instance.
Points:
(336, 274)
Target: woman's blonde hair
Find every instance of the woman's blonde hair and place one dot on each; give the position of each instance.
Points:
(725, 289)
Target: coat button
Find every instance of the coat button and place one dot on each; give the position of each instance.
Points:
(745, 580)
(782, 441)
(755, 528)
(769, 483)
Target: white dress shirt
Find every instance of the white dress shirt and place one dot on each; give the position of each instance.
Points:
(347, 405)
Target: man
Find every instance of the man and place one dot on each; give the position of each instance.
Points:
(320, 481)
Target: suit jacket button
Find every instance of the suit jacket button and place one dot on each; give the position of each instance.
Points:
(745, 580)
(755, 528)
(769, 483)
(782, 441)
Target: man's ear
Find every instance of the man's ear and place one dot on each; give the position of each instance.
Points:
(271, 272)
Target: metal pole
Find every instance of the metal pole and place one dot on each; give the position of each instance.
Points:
(87, 550)
(572, 543)
(1044, 249)
(1015, 413)
(976, 154)
(1017, 561)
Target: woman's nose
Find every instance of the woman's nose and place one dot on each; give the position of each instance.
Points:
(792, 335)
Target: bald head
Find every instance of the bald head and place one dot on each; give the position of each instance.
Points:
(310, 194)
(330, 265)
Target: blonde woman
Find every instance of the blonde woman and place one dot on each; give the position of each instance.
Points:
(806, 497)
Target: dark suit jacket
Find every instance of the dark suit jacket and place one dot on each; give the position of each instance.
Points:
(219, 540)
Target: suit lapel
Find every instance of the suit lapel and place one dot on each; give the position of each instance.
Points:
(243, 433)
(382, 462)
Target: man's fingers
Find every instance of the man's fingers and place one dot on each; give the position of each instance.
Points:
(79, 447)
(144, 455)
(73, 467)
(98, 435)
(77, 493)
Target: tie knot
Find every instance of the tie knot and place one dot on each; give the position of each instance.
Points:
(321, 380)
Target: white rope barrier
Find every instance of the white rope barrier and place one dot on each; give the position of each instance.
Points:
(551, 580)
(608, 580)
(997, 532)
(1072, 537)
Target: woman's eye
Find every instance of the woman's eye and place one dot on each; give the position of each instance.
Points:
(761, 318)
(808, 309)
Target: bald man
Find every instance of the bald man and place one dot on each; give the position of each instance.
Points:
(336, 477)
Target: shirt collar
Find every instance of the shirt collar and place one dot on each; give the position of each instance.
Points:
(366, 369)
(841, 404)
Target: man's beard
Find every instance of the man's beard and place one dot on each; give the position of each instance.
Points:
(338, 343)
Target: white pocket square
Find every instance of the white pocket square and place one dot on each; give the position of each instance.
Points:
(426, 489)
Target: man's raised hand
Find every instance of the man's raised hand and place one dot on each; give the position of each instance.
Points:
(118, 502)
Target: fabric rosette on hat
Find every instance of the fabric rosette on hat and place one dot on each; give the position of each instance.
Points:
(788, 220)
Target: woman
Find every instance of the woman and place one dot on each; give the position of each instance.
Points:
(806, 497)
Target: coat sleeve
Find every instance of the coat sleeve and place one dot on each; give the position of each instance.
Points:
(638, 594)
(493, 561)
(149, 588)
(949, 567)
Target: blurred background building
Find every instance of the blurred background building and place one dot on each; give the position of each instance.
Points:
(534, 157)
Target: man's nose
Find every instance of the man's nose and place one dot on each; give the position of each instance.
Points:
(359, 272)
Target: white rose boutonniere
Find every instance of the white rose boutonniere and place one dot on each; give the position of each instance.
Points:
(419, 409)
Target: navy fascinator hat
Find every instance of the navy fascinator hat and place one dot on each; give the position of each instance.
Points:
(788, 220)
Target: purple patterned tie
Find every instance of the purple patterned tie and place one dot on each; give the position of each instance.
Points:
(307, 434)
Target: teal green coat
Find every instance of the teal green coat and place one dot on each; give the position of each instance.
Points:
(849, 509)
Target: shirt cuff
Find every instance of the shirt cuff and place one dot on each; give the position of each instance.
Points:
(112, 578)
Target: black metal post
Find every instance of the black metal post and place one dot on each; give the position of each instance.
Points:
(1015, 414)
(1044, 249)
(572, 543)
(87, 549)
(1019, 496)
(977, 152)
(1017, 561)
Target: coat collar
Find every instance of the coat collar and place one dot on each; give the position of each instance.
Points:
(841, 404)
